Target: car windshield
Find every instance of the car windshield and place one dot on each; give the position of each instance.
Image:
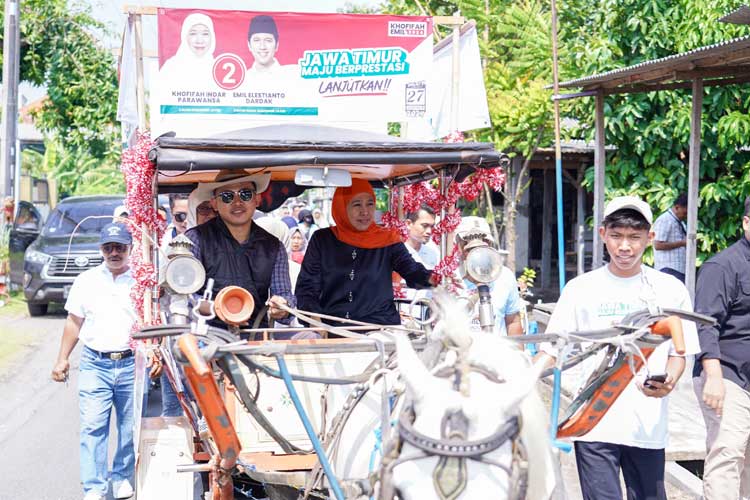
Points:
(63, 220)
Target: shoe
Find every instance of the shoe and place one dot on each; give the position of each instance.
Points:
(93, 495)
(122, 489)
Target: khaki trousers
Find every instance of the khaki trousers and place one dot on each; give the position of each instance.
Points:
(726, 473)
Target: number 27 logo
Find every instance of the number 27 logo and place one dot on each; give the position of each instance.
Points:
(415, 96)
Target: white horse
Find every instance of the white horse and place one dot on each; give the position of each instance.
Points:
(473, 407)
(497, 384)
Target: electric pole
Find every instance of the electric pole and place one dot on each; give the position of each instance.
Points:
(10, 96)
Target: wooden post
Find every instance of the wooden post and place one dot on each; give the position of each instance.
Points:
(456, 73)
(599, 165)
(693, 184)
(146, 250)
(547, 221)
(580, 222)
(139, 92)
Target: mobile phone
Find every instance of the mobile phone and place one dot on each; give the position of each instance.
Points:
(655, 377)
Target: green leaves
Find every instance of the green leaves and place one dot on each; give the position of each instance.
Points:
(651, 132)
(59, 51)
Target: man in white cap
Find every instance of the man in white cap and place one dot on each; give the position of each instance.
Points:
(632, 435)
(235, 251)
(506, 302)
(101, 315)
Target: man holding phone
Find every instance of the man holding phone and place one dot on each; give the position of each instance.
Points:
(632, 435)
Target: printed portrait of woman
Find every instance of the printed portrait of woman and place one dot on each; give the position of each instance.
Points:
(193, 62)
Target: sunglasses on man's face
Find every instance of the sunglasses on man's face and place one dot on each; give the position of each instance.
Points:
(111, 247)
(180, 216)
(245, 194)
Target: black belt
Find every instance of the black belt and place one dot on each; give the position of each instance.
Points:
(115, 355)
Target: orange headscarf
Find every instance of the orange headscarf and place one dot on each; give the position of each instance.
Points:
(372, 237)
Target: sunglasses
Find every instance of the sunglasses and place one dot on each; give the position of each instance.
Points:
(180, 216)
(111, 247)
(245, 194)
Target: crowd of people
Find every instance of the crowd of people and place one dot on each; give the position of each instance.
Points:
(344, 266)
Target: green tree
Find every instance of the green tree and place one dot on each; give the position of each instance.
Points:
(651, 131)
(59, 50)
(516, 49)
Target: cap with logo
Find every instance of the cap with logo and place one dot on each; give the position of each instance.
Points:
(115, 233)
(631, 203)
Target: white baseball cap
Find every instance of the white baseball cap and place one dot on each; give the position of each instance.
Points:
(629, 202)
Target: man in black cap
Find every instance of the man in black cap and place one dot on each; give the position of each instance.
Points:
(263, 42)
(101, 316)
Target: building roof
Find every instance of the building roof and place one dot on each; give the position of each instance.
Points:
(727, 61)
(740, 15)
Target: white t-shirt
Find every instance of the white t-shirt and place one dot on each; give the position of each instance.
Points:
(599, 299)
(427, 255)
(105, 306)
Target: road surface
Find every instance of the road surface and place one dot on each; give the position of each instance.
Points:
(39, 422)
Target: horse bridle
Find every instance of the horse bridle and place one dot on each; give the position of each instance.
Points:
(454, 447)
(447, 447)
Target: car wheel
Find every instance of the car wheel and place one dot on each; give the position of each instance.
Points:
(37, 309)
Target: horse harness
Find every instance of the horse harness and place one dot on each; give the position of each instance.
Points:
(453, 449)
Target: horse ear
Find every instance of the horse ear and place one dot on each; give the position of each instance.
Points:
(415, 374)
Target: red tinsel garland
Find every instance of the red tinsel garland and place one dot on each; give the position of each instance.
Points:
(415, 195)
(139, 175)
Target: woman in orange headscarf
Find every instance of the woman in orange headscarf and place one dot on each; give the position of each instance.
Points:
(347, 267)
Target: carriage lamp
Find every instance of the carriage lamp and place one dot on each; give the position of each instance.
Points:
(483, 264)
(184, 273)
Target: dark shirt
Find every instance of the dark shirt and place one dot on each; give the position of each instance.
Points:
(355, 283)
(723, 291)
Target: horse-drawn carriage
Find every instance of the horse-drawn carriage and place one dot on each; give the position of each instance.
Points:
(430, 408)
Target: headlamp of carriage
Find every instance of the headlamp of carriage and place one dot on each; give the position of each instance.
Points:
(184, 274)
(483, 264)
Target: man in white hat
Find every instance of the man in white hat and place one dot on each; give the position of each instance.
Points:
(235, 251)
(506, 301)
(632, 435)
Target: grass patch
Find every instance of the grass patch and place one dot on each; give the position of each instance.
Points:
(14, 336)
(14, 307)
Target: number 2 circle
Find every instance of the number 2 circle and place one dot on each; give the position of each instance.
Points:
(229, 71)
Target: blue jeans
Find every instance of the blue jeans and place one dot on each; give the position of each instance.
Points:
(170, 405)
(102, 384)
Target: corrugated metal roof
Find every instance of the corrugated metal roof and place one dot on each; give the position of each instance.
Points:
(690, 60)
(740, 15)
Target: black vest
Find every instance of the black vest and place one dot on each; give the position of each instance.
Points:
(248, 265)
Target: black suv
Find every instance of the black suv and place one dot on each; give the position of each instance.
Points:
(48, 267)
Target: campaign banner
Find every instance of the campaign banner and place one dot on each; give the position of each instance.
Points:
(228, 70)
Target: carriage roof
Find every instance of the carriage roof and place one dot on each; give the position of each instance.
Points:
(282, 149)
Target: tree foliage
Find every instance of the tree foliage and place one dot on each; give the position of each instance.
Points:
(651, 131)
(59, 50)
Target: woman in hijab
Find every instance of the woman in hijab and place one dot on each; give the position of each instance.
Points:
(347, 268)
(298, 245)
(194, 60)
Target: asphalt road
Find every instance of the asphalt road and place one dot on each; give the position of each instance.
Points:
(38, 417)
(39, 422)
